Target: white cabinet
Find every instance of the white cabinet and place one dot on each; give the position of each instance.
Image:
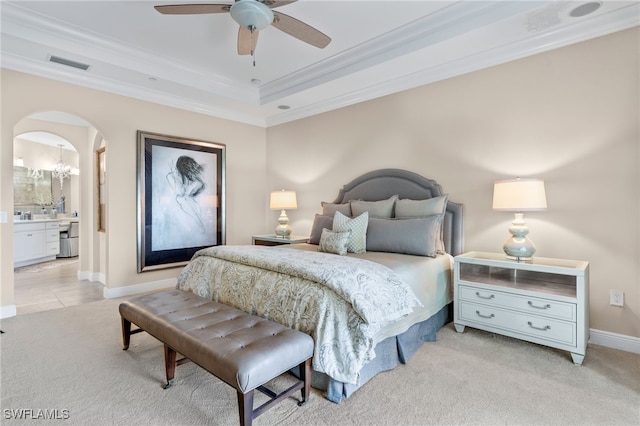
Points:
(35, 242)
(53, 238)
(545, 301)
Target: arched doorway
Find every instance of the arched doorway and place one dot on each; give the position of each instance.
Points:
(45, 142)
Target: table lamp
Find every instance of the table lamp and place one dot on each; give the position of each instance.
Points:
(519, 195)
(281, 200)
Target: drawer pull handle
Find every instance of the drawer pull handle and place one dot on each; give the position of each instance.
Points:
(547, 306)
(484, 297)
(487, 316)
(545, 328)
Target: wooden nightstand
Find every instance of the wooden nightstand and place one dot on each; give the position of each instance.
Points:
(545, 301)
(273, 240)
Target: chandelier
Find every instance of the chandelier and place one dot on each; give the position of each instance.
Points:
(35, 173)
(61, 171)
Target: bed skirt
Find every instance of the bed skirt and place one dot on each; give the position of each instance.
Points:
(390, 353)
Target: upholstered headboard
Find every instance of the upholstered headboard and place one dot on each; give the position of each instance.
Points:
(384, 183)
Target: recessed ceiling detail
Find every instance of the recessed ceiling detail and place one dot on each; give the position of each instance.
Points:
(377, 48)
(585, 9)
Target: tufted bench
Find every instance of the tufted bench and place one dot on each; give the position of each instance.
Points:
(245, 351)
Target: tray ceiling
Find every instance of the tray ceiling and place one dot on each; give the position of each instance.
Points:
(377, 48)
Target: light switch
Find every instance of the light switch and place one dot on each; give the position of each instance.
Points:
(3, 217)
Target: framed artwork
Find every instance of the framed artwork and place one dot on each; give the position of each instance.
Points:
(101, 179)
(181, 199)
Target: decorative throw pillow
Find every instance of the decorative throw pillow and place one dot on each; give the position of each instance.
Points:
(382, 208)
(358, 226)
(334, 242)
(420, 208)
(416, 236)
(330, 209)
(319, 222)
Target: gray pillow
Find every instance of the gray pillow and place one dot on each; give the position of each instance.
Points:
(319, 222)
(334, 242)
(420, 208)
(330, 209)
(382, 208)
(416, 236)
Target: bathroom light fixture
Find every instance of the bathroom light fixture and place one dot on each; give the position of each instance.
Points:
(61, 171)
(281, 200)
(518, 195)
(36, 173)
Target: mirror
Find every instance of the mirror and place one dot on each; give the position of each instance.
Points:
(30, 190)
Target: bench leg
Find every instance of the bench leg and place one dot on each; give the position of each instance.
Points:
(126, 333)
(305, 375)
(169, 365)
(245, 406)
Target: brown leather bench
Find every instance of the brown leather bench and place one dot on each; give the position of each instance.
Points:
(243, 350)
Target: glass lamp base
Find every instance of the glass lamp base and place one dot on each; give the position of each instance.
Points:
(283, 229)
(519, 248)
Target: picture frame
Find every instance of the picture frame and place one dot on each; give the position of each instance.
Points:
(101, 184)
(181, 199)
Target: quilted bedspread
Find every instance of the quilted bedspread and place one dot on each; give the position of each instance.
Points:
(340, 301)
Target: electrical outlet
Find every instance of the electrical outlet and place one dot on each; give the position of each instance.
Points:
(616, 298)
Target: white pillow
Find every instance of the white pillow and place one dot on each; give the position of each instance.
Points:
(358, 226)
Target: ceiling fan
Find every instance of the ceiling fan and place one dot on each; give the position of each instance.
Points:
(254, 16)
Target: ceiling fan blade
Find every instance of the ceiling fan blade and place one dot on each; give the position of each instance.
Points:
(300, 30)
(247, 41)
(276, 3)
(192, 9)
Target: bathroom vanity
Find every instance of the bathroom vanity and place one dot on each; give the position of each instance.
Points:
(35, 241)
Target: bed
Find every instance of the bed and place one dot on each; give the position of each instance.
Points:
(371, 286)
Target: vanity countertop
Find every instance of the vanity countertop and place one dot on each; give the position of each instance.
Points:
(18, 221)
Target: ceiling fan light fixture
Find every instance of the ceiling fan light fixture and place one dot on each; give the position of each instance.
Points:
(251, 14)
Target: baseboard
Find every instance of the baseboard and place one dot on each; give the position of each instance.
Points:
(615, 341)
(92, 276)
(113, 293)
(8, 311)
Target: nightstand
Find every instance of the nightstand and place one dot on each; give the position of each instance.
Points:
(274, 240)
(544, 301)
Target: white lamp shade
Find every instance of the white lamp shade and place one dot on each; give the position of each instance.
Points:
(283, 200)
(251, 14)
(519, 195)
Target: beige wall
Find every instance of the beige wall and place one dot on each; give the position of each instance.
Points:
(570, 117)
(117, 119)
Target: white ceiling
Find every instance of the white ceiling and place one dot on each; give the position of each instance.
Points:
(377, 48)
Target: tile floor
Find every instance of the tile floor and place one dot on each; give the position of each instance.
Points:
(52, 285)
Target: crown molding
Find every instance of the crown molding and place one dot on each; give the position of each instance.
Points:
(452, 21)
(38, 30)
(79, 78)
(94, 49)
(583, 30)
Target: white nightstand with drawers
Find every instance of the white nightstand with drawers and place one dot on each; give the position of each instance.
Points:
(544, 301)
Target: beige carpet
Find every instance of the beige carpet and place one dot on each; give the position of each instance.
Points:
(70, 360)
